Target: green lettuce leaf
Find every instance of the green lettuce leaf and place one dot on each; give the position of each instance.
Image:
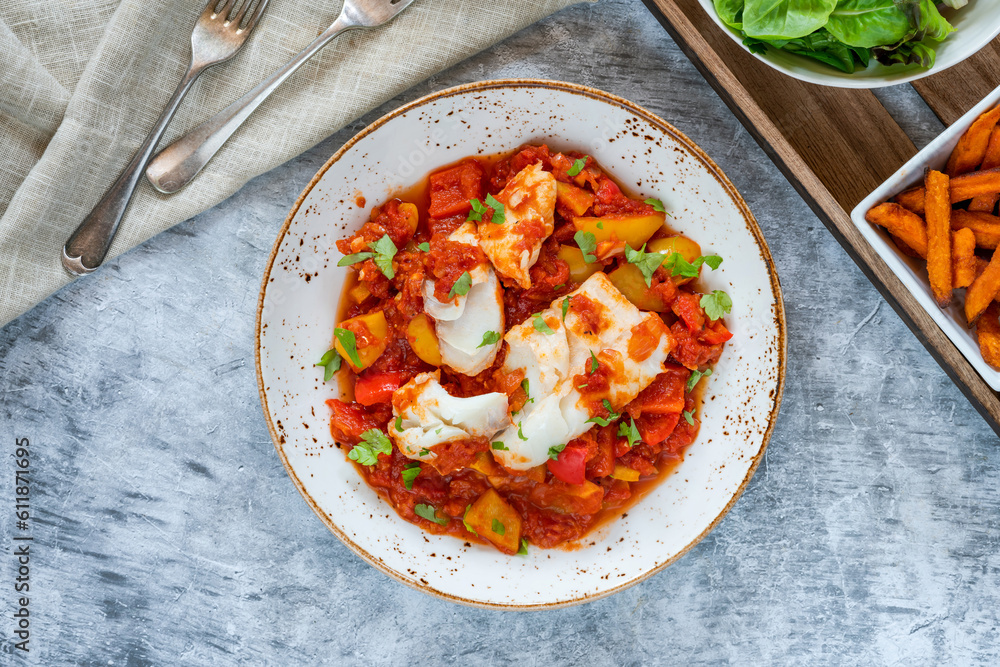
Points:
(925, 20)
(785, 19)
(868, 23)
(731, 12)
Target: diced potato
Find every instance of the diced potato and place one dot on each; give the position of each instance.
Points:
(359, 292)
(575, 199)
(379, 329)
(485, 464)
(579, 270)
(625, 473)
(629, 281)
(536, 474)
(409, 211)
(424, 342)
(583, 498)
(490, 512)
(632, 229)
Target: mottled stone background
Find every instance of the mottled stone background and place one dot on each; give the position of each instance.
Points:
(167, 532)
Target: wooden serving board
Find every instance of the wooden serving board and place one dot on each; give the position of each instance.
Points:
(812, 134)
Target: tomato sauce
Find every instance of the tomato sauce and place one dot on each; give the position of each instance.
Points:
(610, 470)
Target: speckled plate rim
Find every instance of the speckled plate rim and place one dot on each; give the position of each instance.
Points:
(712, 168)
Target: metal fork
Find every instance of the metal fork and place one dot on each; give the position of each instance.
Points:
(217, 36)
(181, 161)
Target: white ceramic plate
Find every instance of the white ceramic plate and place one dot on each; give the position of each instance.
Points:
(298, 304)
(913, 272)
(975, 25)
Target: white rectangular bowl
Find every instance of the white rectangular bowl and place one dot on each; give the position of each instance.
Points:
(912, 272)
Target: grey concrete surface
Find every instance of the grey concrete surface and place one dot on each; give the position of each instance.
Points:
(167, 532)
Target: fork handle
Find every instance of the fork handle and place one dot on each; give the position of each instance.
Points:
(88, 246)
(178, 163)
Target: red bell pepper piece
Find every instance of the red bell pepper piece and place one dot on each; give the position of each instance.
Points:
(571, 465)
(664, 395)
(452, 188)
(715, 333)
(374, 387)
(687, 307)
(654, 429)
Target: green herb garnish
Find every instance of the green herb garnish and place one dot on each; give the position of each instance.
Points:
(374, 442)
(604, 421)
(695, 377)
(540, 325)
(428, 512)
(716, 304)
(588, 244)
(565, 308)
(519, 433)
(498, 527)
(384, 250)
(656, 204)
(629, 432)
(499, 446)
(425, 246)
(647, 262)
(466, 523)
(499, 213)
(410, 472)
(689, 417)
(554, 451)
(331, 362)
(349, 342)
(461, 286)
(593, 363)
(489, 338)
(347, 260)
(577, 167)
(399, 424)
(523, 551)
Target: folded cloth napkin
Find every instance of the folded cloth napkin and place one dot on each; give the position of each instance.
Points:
(83, 81)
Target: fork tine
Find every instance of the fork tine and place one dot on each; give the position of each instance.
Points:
(238, 19)
(399, 5)
(252, 21)
(224, 12)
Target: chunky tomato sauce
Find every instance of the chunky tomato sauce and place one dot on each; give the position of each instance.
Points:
(595, 476)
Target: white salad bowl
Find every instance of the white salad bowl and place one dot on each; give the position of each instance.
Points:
(913, 272)
(976, 25)
(297, 312)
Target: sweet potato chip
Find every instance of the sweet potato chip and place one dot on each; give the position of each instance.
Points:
(983, 290)
(912, 200)
(902, 223)
(971, 148)
(986, 203)
(938, 236)
(964, 187)
(988, 333)
(963, 258)
(907, 250)
(986, 227)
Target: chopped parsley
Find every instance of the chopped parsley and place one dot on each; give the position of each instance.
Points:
(331, 362)
(559, 287)
(479, 209)
(577, 167)
(466, 523)
(604, 421)
(656, 204)
(695, 377)
(540, 325)
(499, 446)
(347, 260)
(382, 253)
(461, 286)
(428, 512)
(410, 472)
(689, 417)
(399, 423)
(523, 551)
(424, 452)
(629, 432)
(647, 262)
(565, 308)
(600, 225)
(524, 385)
(519, 433)
(678, 266)
(554, 451)
(499, 214)
(588, 244)
(594, 363)
(425, 246)
(374, 442)
(489, 338)
(716, 304)
(498, 527)
(349, 342)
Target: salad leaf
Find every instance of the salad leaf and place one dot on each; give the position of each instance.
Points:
(731, 13)
(785, 19)
(926, 20)
(868, 23)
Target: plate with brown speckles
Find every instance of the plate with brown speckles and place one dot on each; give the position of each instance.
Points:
(298, 310)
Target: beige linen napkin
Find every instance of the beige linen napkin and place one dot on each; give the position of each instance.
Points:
(82, 81)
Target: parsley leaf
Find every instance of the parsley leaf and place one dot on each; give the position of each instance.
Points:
(477, 212)
(594, 363)
(647, 262)
(355, 258)
(519, 433)
(489, 338)
(331, 362)
(630, 432)
(499, 213)
(498, 527)
(374, 442)
(554, 451)
(410, 472)
(524, 385)
(425, 246)
(349, 342)
(695, 377)
(399, 424)
(466, 523)
(689, 417)
(712, 260)
(600, 225)
(588, 244)
(558, 287)
(678, 266)
(565, 307)
(541, 325)
(656, 204)
(424, 452)
(577, 167)
(461, 286)
(499, 446)
(428, 512)
(716, 304)
(523, 551)
(604, 421)
(384, 250)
